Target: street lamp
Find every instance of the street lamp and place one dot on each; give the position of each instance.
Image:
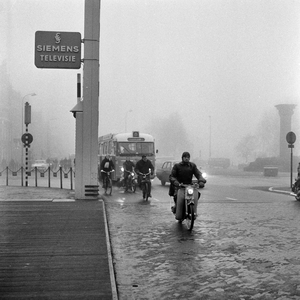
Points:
(126, 119)
(31, 94)
(209, 137)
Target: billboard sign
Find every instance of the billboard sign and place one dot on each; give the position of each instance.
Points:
(57, 50)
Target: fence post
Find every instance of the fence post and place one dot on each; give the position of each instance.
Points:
(35, 174)
(61, 183)
(22, 176)
(6, 175)
(71, 178)
(49, 176)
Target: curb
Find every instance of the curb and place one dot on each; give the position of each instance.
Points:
(110, 261)
(271, 189)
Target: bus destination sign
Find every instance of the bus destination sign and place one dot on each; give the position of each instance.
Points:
(57, 50)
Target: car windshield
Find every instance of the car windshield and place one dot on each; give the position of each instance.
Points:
(135, 148)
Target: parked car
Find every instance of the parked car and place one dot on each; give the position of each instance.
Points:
(164, 172)
(40, 164)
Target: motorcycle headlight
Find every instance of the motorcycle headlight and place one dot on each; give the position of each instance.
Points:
(122, 169)
(190, 191)
(132, 174)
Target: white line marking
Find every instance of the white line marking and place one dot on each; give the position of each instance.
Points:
(63, 200)
(25, 200)
(231, 199)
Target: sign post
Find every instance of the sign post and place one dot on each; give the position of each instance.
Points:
(291, 138)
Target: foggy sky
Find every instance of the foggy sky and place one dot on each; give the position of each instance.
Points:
(232, 60)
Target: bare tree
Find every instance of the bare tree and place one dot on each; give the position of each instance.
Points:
(170, 135)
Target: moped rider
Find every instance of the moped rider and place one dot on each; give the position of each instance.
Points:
(182, 173)
(106, 165)
(143, 166)
(128, 166)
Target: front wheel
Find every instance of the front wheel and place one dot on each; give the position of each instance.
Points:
(190, 217)
(133, 186)
(145, 191)
(108, 188)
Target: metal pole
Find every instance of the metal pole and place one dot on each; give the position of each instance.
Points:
(26, 160)
(209, 136)
(291, 166)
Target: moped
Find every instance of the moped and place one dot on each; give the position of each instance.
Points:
(145, 184)
(296, 189)
(131, 181)
(186, 205)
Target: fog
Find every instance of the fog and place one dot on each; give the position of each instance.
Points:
(222, 65)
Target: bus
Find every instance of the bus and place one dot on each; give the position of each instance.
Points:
(122, 145)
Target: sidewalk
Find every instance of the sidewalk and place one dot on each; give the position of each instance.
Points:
(53, 247)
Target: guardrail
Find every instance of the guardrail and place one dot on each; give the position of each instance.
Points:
(49, 177)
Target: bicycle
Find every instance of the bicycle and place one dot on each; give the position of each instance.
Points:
(107, 182)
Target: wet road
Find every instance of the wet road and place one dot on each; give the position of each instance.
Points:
(245, 243)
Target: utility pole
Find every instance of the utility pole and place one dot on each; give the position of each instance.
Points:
(86, 154)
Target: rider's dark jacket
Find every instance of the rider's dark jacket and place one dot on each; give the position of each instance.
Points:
(107, 165)
(128, 165)
(183, 173)
(144, 166)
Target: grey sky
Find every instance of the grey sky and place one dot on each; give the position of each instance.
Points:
(228, 59)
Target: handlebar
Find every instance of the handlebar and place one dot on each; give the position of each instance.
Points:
(143, 174)
(194, 185)
(108, 171)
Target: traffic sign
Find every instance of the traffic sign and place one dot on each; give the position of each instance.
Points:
(57, 49)
(291, 137)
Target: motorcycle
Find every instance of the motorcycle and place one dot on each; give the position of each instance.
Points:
(296, 189)
(186, 206)
(131, 181)
(145, 184)
(107, 182)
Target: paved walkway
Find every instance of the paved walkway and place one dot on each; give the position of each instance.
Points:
(53, 247)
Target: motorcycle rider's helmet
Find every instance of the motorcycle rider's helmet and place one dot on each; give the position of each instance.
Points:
(185, 154)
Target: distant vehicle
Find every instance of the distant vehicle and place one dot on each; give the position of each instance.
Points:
(121, 145)
(40, 164)
(164, 172)
(219, 163)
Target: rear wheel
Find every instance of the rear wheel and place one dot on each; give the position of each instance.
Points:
(146, 191)
(133, 186)
(108, 189)
(190, 217)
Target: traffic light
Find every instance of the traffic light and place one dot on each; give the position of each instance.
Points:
(27, 119)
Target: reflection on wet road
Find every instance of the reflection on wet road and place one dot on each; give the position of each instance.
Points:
(244, 246)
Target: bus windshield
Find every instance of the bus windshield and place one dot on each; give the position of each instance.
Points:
(135, 148)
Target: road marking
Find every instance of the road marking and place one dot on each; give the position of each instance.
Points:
(154, 199)
(24, 200)
(233, 199)
(63, 200)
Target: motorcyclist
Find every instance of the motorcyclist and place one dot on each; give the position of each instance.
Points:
(143, 166)
(106, 165)
(128, 165)
(182, 173)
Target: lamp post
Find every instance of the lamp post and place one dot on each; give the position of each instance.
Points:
(209, 154)
(31, 94)
(126, 119)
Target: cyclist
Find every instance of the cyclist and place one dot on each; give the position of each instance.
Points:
(143, 166)
(128, 165)
(107, 165)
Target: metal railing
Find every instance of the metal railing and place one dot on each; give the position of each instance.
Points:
(36, 177)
